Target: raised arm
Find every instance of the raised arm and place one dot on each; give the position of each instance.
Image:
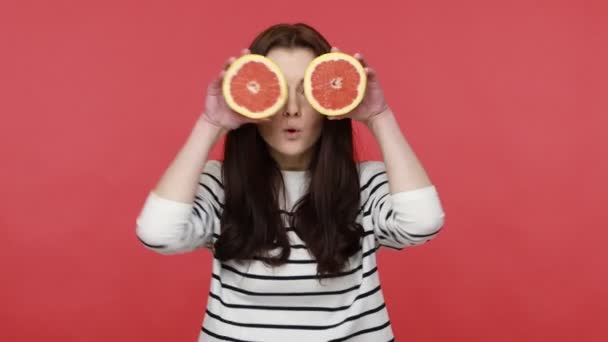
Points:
(182, 212)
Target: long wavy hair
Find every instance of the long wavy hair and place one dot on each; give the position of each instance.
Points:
(324, 218)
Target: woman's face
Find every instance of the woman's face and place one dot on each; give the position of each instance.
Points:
(293, 131)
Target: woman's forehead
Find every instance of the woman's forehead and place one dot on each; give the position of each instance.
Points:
(292, 61)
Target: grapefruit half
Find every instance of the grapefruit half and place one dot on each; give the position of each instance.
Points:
(334, 83)
(254, 86)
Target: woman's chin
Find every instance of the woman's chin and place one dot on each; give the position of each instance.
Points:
(290, 156)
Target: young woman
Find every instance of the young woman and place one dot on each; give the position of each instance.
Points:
(293, 221)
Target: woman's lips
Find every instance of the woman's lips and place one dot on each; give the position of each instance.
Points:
(292, 133)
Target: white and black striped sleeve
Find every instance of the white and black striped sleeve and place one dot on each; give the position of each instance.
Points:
(169, 227)
(400, 219)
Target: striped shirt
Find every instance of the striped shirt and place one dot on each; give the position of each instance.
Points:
(254, 302)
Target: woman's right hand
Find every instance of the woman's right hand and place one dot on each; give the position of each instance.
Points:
(217, 111)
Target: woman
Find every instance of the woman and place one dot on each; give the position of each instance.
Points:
(292, 220)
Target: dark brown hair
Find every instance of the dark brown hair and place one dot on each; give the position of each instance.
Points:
(324, 218)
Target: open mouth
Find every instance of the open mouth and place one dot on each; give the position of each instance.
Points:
(292, 133)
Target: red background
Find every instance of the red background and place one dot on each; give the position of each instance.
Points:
(504, 102)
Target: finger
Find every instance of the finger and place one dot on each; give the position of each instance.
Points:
(371, 73)
(245, 52)
(334, 49)
(360, 58)
(217, 82)
(215, 86)
(229, 62)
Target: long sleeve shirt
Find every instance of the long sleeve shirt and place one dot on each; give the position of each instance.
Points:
(252, 302)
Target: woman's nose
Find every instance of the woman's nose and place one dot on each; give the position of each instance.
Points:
(291, 107)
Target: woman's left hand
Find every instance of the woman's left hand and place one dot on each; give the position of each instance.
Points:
(373, 102)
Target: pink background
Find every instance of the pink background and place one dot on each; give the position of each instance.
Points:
(504, 102)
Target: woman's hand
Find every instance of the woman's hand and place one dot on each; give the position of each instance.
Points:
(217, 111)
(373, 102)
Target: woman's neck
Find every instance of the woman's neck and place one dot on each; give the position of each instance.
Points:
(293, 163)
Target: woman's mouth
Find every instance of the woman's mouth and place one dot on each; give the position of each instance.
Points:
(291, 133)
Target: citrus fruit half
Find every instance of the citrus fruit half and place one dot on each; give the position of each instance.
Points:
(334, 83)
(254, 86)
